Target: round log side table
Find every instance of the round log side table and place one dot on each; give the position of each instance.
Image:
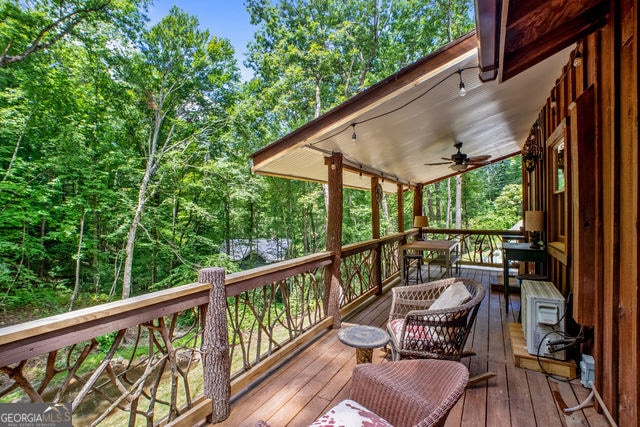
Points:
(364, 339)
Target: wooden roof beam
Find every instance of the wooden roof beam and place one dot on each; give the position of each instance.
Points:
(536, 29)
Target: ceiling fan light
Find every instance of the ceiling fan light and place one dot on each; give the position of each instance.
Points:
(458, 167)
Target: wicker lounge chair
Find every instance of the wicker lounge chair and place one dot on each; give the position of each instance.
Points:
(405, 393)
(420, 332)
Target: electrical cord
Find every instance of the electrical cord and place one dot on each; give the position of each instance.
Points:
(386, 113)
(567, 342)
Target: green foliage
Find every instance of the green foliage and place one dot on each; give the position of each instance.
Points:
(106, 341)
(79, 118)
(491, 197)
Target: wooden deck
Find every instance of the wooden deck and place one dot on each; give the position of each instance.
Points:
(319, 377)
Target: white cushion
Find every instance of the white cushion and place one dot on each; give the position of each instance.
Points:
(350, 413)
(455, 295)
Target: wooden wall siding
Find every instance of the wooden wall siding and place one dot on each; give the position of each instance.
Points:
(629, 317)
(602, 246)
(584, 202)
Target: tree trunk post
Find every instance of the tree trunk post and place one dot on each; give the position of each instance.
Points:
(332, 276)
(400, 196)
(215, 346)
(376, 271)
(417, 202)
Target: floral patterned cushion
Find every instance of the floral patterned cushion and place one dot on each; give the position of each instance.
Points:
(415, 337)
(350, 413)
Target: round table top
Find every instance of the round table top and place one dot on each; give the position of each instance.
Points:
(363, 336)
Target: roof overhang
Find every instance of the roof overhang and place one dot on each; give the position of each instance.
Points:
(515, 35)
(414, 117)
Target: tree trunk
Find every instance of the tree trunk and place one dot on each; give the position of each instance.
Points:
(142, 201)
(448, 203)
(252, 244)
(385, 214)
(227, 223)
(14, 156)
(95, 250)
(438, 203)
(215, 347)
(375, 21)
(76, 287)
(458, 201)
(333, 288)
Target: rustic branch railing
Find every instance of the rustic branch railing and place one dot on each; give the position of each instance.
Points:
(477, 247)
(140, 360)
(359, 263)
(142, 356)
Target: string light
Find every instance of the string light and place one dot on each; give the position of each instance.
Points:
(577, 60)
(463, 90)
(354, 137)
(398, 108)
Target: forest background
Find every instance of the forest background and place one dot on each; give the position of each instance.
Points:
(125, 150)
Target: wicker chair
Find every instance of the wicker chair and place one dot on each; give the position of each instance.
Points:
(405, 393)
(417, 332)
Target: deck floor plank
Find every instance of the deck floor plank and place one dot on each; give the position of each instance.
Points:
(545, 410)
(319, 376)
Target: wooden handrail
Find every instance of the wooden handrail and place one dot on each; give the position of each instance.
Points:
(29, 339)
(362, 278)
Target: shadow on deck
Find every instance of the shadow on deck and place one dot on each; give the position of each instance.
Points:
(319, 377)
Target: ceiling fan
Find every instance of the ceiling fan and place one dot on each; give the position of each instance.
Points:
(460, 161)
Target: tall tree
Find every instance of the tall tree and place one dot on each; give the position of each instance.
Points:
(30, 27)
(175, 80)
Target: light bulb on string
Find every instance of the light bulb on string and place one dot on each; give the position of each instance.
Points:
(463, 90)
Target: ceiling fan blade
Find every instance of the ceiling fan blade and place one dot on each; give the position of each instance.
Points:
(480, 163)
(440, 163)
(479, 158)
(446, 158)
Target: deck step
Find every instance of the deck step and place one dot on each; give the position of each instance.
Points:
(522, 358)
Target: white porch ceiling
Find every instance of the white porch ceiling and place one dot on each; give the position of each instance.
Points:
(400, 127)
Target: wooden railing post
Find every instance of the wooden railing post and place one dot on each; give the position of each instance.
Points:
(215, 346)
(332, 277)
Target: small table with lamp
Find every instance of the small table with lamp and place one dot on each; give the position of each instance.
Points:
(521, 252)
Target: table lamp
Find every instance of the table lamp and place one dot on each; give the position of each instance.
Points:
(534, 224)
(419, 222)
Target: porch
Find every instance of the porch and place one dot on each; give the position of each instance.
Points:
(318, 377)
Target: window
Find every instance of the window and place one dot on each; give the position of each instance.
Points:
(557, 201)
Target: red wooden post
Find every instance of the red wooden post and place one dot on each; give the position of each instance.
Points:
(417, 201)
(400, 195)
(215, 347)
(334, 238)
(376, 271)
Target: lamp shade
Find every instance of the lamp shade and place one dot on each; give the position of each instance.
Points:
(420, 221)
(534, 220)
